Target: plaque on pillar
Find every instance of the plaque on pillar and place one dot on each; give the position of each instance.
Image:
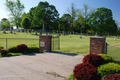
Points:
(45, 43)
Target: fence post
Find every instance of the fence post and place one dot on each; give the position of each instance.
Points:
(53, 42)
(6, 43)
(59, 42)
(106, 49)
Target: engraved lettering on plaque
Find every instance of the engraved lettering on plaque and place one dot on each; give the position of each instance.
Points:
(42, 44)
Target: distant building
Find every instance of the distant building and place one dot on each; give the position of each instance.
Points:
(14, 27)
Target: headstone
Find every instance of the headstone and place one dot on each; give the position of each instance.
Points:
(64, 33)
(46, 33)
(40, 32)
(10, 29)
(80, 37)
(50, 32)
(43, 30)
(96, 34)
(54, 33)
(29, 31)
(14, 31)
(59, 34)
(115, 39)
(36, 33)
(76, 33)
(32, 30)
(23, 30)
(4, 31)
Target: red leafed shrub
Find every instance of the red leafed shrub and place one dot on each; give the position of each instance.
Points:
(93, 59)
(22, 48)
(112, 77)
(4, 52)
(86, 71)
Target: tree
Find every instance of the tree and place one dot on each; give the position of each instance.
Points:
(64, 22)
(26, 23)
(101, 20)
(31, 13)
(45, 14)
(83, 15)
(73, 12)
(5, 24)
(16, 10)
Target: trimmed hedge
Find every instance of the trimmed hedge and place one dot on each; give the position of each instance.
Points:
(33, 49)
(93, 59)
(1, 47)
(112, 77)
(13, 49)
(86, 71)
(107, 58)
(109, 68)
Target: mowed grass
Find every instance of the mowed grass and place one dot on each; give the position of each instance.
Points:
(23, 39)
(68, 44)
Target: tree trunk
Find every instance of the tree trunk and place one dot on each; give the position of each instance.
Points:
(72, 28)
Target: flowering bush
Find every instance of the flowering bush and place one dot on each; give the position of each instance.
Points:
(22, 48)
(4, 52)
(93, 59)
(86, 71)
(112, 77)
(107, 58)
(109, 68)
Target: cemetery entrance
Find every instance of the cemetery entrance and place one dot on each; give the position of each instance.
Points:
(55, 43)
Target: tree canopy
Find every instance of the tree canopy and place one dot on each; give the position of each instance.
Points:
(5, 24)
(44, 13)
(26, 23)
(64, 22)
(101, 20)
(15, 9)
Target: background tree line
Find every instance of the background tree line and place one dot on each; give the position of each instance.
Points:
(84, 20)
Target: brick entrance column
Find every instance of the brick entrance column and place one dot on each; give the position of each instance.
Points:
(97, 45)
(45, 43)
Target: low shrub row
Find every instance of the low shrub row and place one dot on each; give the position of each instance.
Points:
(96, 67)
(4, 52)
(22, 48)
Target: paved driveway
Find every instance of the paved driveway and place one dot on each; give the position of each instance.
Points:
(44, 66)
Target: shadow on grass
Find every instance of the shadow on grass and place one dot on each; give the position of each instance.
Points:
(35, 34)
(68, 54)
(19, 54)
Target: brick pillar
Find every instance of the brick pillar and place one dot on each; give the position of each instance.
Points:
(45, 43)
(97, 45)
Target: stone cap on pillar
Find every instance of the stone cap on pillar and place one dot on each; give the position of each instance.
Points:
(44, 35)
(97, 37)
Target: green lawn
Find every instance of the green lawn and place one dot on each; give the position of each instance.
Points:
(68, 44)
